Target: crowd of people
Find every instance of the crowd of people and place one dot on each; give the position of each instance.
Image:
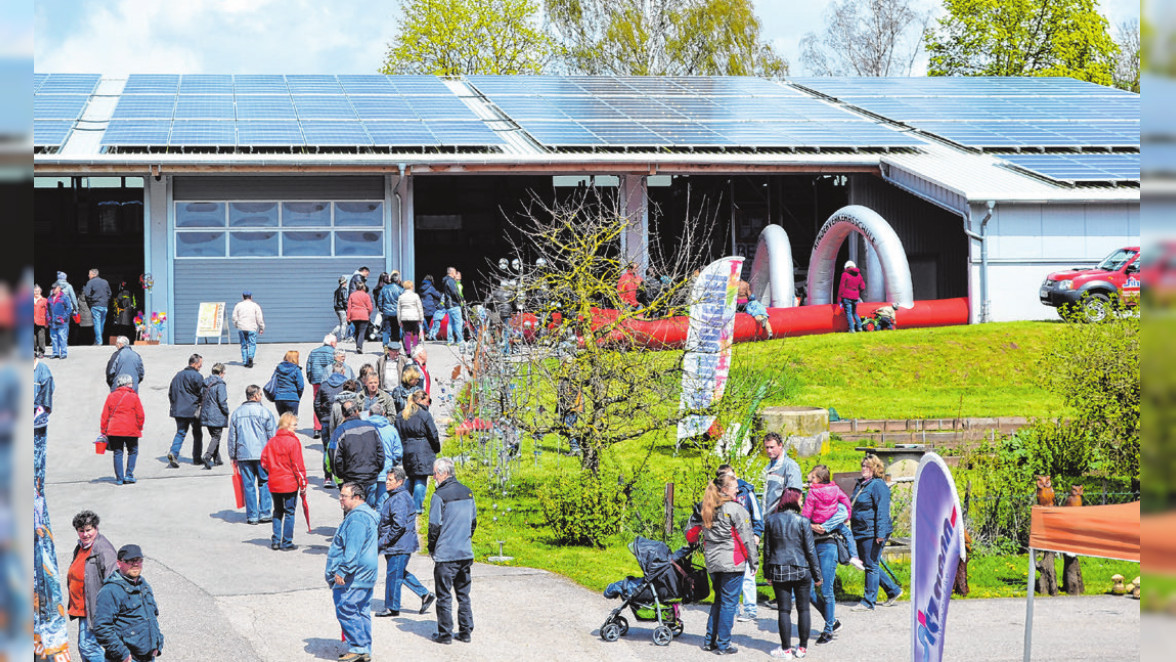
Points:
(798, 536)
(55, 315)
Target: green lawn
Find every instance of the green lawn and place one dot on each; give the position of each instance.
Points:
(989, 370)
(981, 370)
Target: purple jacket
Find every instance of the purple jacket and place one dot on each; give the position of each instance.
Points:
(852, 284)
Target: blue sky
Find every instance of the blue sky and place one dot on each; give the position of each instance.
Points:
(117, 37)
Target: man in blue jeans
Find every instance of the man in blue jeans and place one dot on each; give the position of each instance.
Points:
(97, 295)
(249, 322)
(451, 295)
(352, 562)
(398, 542)
(250, 427)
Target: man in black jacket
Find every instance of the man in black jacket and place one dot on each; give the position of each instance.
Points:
(124, 361)
(126, 620)
(453, 518)
(97, 295)
(359, 451)
(185, 394)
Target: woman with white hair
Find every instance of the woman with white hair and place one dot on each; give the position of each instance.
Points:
(122, 423)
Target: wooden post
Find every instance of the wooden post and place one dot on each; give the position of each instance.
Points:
(669, 500)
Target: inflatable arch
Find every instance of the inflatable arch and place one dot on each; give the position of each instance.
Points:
(771, 280)
(879, 236)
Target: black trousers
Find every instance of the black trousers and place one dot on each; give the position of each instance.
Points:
(784, 592)
(213, 451)
(39, 335)
(361, 327)
(453, 576)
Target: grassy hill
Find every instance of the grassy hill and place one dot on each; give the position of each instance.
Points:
(980, 370)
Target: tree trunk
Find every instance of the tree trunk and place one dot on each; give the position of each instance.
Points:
(589, 458)
(1047, 575)
(1072, 575)
(961, 580)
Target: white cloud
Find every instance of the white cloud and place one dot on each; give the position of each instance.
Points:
(218, 36)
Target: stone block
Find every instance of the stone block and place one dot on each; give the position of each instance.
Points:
(804, 428)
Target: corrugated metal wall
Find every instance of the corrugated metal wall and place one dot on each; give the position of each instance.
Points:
(295, 294)
(933, 237)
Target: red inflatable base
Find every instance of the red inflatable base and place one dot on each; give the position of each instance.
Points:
(785, 322)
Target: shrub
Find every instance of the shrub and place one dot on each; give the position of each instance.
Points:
(582, 507)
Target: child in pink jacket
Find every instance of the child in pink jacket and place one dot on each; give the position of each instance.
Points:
(827, 502)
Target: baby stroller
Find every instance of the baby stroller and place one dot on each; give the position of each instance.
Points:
(669, 581)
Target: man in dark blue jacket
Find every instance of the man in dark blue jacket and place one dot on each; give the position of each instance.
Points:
(124, 361)
(126, 616)
(431, 302)
(185, 395)
(398, 541)
(453, 518)
(97, 295)
(451, 297)
(359, 451)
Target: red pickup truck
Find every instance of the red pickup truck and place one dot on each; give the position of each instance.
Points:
(1089, 291)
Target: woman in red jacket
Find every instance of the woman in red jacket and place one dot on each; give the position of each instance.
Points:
(849, 291)
(359, 313)
(122, 423)
(282, 460)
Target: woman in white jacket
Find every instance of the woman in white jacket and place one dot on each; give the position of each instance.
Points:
(411, 313)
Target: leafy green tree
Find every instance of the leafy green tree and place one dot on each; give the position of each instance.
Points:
(1022, 38)
(662, 37)
(463, 37)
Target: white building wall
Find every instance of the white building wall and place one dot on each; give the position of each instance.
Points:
(1028, 241)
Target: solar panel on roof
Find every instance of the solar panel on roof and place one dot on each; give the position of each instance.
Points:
(152, 84)
(419, 85)
(320, 107)
(260, 84)
(642, 108)
(440, 108)
(1079, 167)
(382, 108)
(205, 106)
(206, 84)
(403, 133)
(366, 84)
(69, 84)
(203, 132)
(145, 106)
(264, 107)
(313, 84)
(334, 133)
(529, 107)
(687, 134)
(463, 133)
(275, 132)
(561, 134)
(136, 133)
(51, 133)
(37, 80)
(59, 106)
(624, 134)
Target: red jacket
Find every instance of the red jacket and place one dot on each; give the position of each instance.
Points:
(282, 460)
(852, 284)
(122, 415)
(628, 285)
(41, 312)
(359, 306)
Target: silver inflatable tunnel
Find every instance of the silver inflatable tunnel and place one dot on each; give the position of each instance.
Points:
(772, 281)
(895, 271)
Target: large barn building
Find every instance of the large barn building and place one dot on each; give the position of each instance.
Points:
(213, 184)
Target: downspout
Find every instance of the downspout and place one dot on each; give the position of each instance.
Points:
(983, 239)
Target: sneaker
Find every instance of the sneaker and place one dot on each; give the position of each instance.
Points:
(386, 613)
(861, 607)
(890, 602)
(463, 637)
(129, 479)
(289, 548)
(708, 647)
(781, 654)
(275, 546)
(799, 653)
(118, 482)
(427, 601)
(857, 563)
(171, 461)
(729, 650)
(265, 520)
(836, 625)
(824, 638)
(771, 604)
(744, 617)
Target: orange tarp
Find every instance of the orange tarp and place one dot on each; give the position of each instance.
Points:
(1160, 532)
(1108, 531)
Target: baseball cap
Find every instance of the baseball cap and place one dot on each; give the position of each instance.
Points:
(393, 345)
(129, 552)
(246, 293)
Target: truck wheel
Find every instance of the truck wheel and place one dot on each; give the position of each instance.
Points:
(1096, 307)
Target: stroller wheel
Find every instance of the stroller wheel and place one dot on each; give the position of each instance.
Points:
(623, 623)
(678, 628)
(610, 631)
(662, 636)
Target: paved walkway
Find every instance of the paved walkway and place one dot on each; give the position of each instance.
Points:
(224, 594)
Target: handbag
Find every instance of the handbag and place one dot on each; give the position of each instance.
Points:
(271, 388)
(843, 554)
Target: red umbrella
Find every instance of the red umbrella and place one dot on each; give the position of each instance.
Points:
(306, 509)
(238, 488)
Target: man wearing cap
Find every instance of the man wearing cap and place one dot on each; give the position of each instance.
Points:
(318, 368)
(389, 365)
(247, 318)
(126, 617)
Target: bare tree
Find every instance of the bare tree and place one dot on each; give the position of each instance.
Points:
(866, 38)
(1127, 60)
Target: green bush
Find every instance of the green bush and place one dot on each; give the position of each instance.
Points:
(583, 508)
